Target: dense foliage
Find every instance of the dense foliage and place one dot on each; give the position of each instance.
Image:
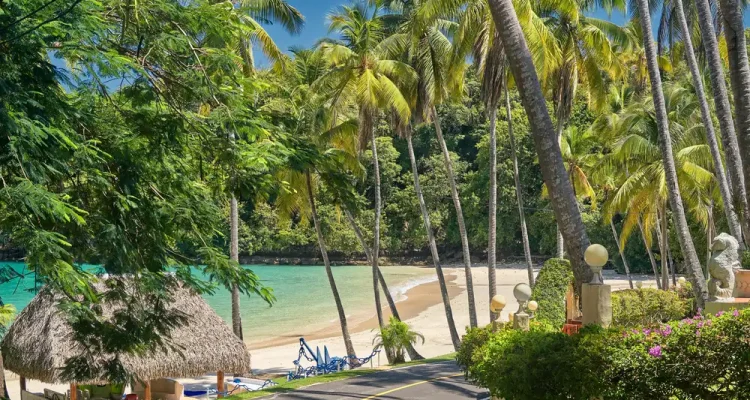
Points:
(395, 337)
(703, 357)
(648, 307)
(554, 281)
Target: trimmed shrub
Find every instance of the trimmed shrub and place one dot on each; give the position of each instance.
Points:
(745, 259)
(471, 342)
(551, 286)
(703, 357)
(647, 307)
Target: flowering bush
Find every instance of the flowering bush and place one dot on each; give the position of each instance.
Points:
(703, 357)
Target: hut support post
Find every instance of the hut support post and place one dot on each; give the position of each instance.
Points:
(147, 390)
(73, 391)
(220, 383)
(22, 383)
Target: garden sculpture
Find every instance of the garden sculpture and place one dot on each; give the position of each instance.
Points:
(724, 258)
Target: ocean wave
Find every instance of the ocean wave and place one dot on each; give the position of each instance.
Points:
(399, 291)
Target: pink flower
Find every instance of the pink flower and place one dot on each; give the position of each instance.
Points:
(736, 313)
(655, 351)
(720, 313)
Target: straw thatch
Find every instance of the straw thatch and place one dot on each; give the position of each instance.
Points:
(40, 340)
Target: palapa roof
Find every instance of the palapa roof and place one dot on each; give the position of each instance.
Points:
(40, 340)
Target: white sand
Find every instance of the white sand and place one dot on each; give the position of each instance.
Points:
(431, 323)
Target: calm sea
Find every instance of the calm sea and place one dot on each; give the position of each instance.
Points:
(303, 295)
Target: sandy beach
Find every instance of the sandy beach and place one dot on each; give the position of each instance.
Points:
(422, 310)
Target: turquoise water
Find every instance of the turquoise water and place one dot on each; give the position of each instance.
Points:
(304, 300)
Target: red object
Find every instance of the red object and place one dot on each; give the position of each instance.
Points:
(571, 327)
(131, 396)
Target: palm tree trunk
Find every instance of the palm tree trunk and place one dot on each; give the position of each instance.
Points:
(663, 243)
(672, 266)
(351, 354)
(622, 253)
(433, 248)
(739, 76)
(673, 190)
(519, 192)
(545, 138)
(726, 194)
(459, 217)
(650, 254)
(358, 234)
(234, 245)
(4, 389)
(413, 354)
(724, 114)
(376, 232)
(492, 231)
(709, 236)
(560, 251)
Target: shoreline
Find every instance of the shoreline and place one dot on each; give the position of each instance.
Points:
(418, 299)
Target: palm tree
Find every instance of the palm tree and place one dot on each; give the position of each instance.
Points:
(363, 76)
(586, 50)
(561, 191)
(250, 11)
(675, 198)
(429, 51)
(323, 138)
(739, 76)
(726, 194)
(724, 114)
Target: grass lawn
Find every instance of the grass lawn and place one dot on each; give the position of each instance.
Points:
(284, 386)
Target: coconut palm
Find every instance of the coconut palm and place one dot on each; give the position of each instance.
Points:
(424, 46)
(323, 138)
(361, 75)
(726, 195)
(561, 191)
(724, 114)
(739, 75)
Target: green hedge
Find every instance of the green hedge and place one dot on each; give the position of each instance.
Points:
(695, 358)
(647, 307)
(550, 289)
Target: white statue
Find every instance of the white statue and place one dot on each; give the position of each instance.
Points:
(724, 258)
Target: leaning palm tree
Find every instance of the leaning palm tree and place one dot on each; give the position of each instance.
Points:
(561, 191)
(323, 136)
(739, 76)
(724, 114)
(361, 75)
(670, 173)
(726, 194)
(426, 48)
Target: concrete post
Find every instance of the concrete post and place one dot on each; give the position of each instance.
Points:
(521, 321)
(597, 304)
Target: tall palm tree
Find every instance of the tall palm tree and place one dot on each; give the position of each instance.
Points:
(724, 114)
(323, 137)
(726, 195)
(739, 76)
(250, 12)
(675, 198)
(561, 191)
(428, 51)
(361, 75)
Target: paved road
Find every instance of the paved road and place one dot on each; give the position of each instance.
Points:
(435, 381)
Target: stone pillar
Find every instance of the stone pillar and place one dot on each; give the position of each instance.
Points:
(521, 321)
(597, 304)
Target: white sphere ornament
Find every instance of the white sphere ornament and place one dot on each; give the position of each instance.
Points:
(682, 281)
(522, 292)
(639, 285)
(596, 256)
(497, 304)
(533, 306)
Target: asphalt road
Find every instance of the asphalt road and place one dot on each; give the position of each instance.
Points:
(435, 381)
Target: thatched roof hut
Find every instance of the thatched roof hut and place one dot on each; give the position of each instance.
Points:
(40, 340)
